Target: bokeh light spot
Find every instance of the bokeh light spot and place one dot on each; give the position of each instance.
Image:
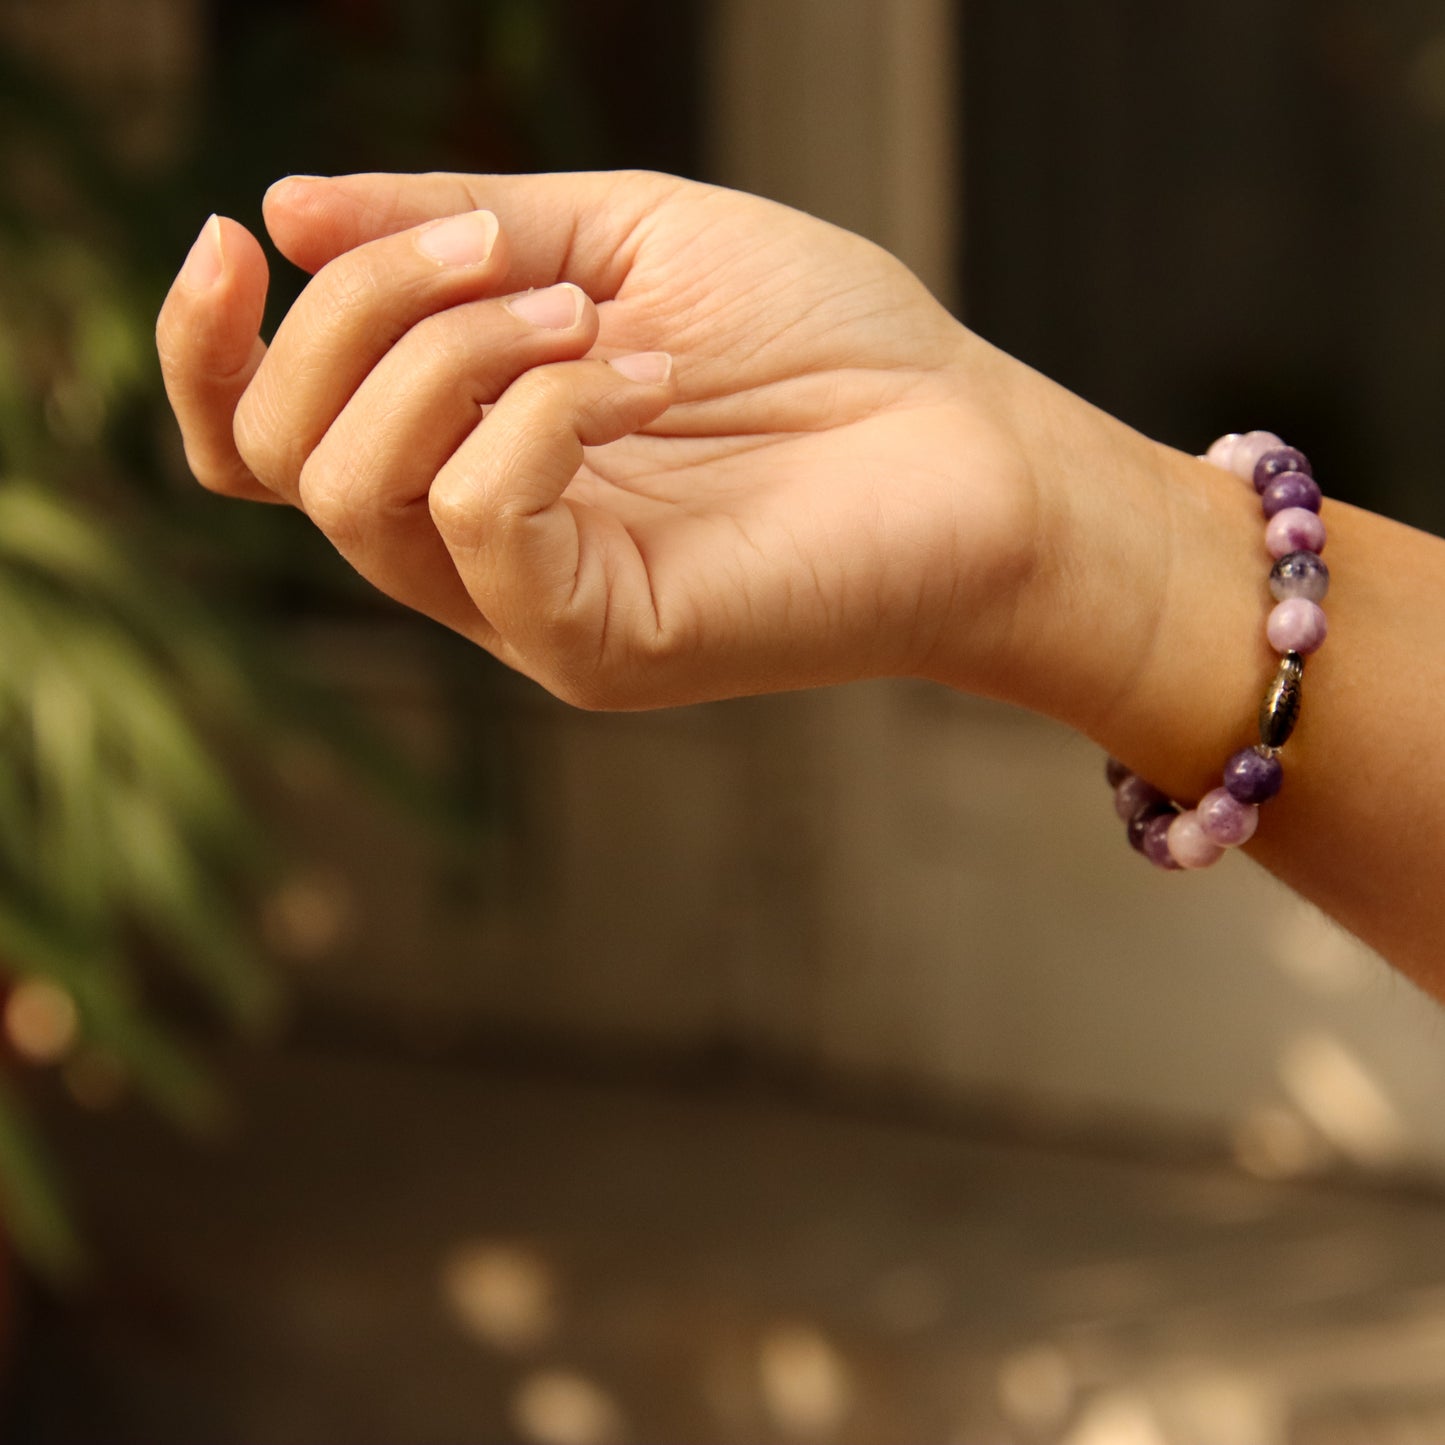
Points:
(40, 1021)
(560, 1407)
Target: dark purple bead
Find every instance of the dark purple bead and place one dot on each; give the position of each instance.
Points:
(1140, 820)
(1299, 574)
(1134, 793)
(1116, 772)
(1155, 846)
(1252, 776)
(1291, 489)
(1272, 464)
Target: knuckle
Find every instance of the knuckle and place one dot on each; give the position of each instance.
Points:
(328, 498)
(646, 180)
(545, 391)
(585, 690)
(225, 476)
(348, 285)
(258, 437)
(452, 513)
(439, 340)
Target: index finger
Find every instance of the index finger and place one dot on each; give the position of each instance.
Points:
(579, 227)
(209, 343)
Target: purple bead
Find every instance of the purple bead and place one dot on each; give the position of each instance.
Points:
(1134, 829)
(1225, 820)
(1296, 625)
(1245, 454)
(1292, 489)
(1116, 772)
(1285, 459)
(1189, 844)
(1299, 574)
(1134, 793)
(1252, 776)
(1294, 530)
(1155, 846)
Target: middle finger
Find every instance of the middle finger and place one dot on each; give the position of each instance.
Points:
(349, 316)
(366, 484)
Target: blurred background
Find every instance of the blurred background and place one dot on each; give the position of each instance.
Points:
(393, 1054)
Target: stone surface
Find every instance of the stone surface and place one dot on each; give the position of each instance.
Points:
(431, 1253)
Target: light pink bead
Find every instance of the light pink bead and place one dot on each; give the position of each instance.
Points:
(1296, 625)
(1220, 453)
(1189, 845)
(1294, 530)
(1244, 455)
(1223, 819)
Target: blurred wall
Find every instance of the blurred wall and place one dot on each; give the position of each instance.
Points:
(887, 883)
(846, 109)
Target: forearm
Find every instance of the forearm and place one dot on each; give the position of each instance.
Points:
(1144, 629)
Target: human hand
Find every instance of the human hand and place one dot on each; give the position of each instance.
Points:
(825, 484)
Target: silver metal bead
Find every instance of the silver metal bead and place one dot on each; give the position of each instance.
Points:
(1279, 711)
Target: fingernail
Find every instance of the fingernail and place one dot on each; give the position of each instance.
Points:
(204, 261)
(297, 180)
(553, 307)
(460, 240)
(651, 367)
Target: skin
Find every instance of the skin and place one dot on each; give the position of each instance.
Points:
(819, 476)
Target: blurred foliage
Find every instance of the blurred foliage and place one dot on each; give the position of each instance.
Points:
(142, 622)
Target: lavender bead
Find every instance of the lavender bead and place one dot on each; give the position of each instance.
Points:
(1245, 454)
(1223, 819)
(1292, 489)
(1294, 530)
(1299, 574)
(1221, 452)
(1156, 842)
(1272, 464)
(1253, 776)
(1296, 625)
(1133, 794)
(1189, 845)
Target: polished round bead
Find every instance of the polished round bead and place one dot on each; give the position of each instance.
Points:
(1272, 464)
(1188, 843)
(1223, 819)
(1221, 451)
(1294, 530)
(1134, 793)
(1299, 574)
(1115, 772)
(1155, 846)
(1293, 489)
(1245, 454)
(1253, 776)
(1134, 829)
(1296, 625)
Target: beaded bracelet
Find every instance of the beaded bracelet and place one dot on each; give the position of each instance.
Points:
(1172, 836)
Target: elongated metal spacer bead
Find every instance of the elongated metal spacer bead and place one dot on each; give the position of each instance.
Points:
(1279, 711)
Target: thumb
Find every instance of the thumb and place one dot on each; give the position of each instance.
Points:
(581, 227)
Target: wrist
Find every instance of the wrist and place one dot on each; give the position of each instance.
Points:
(1137, 620)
